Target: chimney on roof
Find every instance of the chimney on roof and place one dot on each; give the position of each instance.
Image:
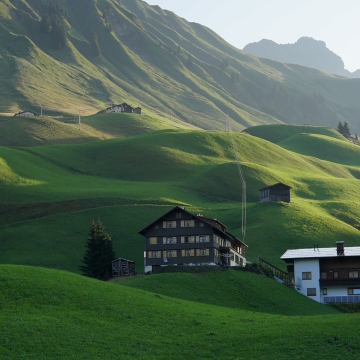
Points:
(340, 248)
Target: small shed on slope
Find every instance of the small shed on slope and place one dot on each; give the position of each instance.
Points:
(122, 267)
(276, 192)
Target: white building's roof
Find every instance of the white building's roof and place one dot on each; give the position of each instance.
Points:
(310, 253)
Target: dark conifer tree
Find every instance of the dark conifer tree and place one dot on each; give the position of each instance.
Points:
(95, 45)
(346, 130)
(45, 25)
(340, 128)
(99, 254)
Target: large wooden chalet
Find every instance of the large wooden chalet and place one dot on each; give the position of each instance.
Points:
(181, 238)
(326, 274)
(276, 192)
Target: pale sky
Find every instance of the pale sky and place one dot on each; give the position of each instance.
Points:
(241, 22)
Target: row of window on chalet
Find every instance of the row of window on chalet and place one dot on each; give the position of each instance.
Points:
(333, 274)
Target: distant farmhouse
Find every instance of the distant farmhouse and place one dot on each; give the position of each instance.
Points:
(26, 113)
(276, 192)
(326, 274)
(123, 108)
(181, 238)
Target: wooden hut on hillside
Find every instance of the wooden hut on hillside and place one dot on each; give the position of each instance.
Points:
(122, 267)
(276, 192)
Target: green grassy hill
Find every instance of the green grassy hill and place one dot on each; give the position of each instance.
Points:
(156, 60)
(40, 131)
(279, 133)
(48, 313)
(50, 194)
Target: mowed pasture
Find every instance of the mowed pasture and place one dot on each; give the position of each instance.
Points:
(50, 194)
(55, 314)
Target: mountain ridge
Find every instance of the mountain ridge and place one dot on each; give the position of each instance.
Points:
(306, 51)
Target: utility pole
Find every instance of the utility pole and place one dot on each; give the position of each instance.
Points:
(79, 119)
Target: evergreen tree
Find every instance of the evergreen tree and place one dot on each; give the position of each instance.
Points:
(99, 254)
(58, 34)
(340, 128)
(45, 24)
(346, 130)
(95, 45)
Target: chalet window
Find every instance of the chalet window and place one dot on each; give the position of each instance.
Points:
(169, 254)
(216, 253)
(237, 259)
(202, 252)
(187, 223)
(154, 254)
(324, 291)
(306, 275)
(323, 275)
(178, 215)
(188, 252)
(336, 274)
(203, 238)
(353, 274)
(169, 224)
(353, 291)
(156, 226)
(187, 239)
(169, 240)
(201, 224)
(311, 291)
(153, 240)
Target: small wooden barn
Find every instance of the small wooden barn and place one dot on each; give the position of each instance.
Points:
(138, 110)
(276, 192)
(122, 267)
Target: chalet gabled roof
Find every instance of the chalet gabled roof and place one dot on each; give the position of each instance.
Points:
(177, 208)
(274, 185)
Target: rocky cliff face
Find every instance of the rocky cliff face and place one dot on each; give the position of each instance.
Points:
(306, 51)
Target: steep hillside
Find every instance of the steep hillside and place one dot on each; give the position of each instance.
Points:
(130, 51)
(50, 314)
(50, 194)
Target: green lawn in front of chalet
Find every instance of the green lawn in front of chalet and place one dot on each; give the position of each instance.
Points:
(54, 314)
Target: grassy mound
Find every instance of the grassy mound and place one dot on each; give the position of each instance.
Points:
(321, 147)
(35, 131)
(47, 313)
(278, 133)
(235, 289)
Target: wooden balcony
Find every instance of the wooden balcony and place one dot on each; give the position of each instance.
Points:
(340, 282)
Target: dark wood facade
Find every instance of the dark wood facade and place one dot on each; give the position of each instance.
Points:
(126, 108)
(181, 238)
(276, 192)
(137, 110)
(340, 271)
